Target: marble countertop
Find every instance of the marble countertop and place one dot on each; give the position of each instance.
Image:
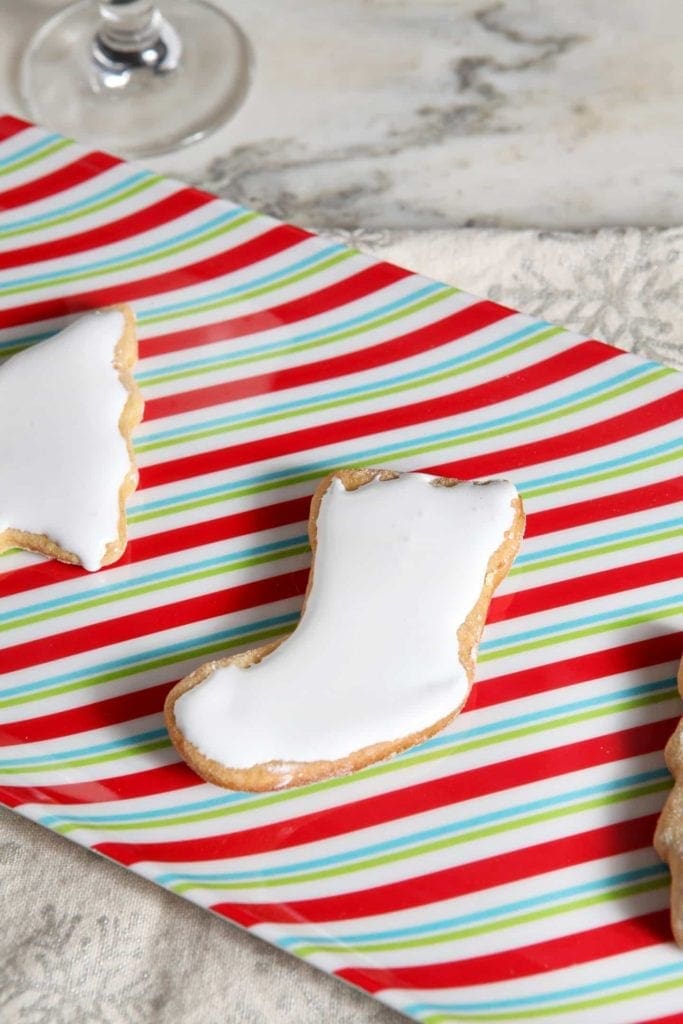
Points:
(418, 114)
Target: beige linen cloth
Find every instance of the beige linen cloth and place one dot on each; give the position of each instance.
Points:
(83, 941)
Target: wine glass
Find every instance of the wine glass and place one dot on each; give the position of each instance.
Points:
(123, 76)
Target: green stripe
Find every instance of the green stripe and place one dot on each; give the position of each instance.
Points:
(150, 588)
(431, 755)
(434, 846)
(103, 204)
(265, 289)
(138, 261)
(534, 421)
(611, 474)
(230, 364)
(244, 296)
(469, 932)
(407, 451)
(588, 552)
(368, 396)
(82, 762)
(594, 552)
(199, 651)
(12, 351)
(35, 157)
(580, 634)
(581, 1004)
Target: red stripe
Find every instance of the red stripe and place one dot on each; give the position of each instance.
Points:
(626, 658)
(659, 412)
(52, 572)
(270, 590)
(129, 706)
(423, 339)
(364, 282)
(81, 718)
(307, 439)
(458, 880)
(490, 692)
(49, 572)
(663, 649)
(10, 126)
(605, 506)
(402, 803)
(152, 781)
(145, 219)
(586, 588)
(182, 538)
(83, 169)
(538, 958)
(152, 620)
(271, 242)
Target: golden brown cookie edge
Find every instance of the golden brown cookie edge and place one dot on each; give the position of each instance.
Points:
(668, 837)
(276, 775)
(125, 357)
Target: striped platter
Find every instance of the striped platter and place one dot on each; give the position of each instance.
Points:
(502, 871)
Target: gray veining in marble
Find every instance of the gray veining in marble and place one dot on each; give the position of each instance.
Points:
(444, 113)
(523, 113)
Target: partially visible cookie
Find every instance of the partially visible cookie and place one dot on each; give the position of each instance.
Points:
(669, 833)
(404, 567)
(68, 406)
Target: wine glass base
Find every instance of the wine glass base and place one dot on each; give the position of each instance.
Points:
(146, 111)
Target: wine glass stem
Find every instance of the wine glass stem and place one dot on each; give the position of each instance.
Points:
(133, 34)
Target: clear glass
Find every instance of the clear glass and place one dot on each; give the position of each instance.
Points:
(123, 76)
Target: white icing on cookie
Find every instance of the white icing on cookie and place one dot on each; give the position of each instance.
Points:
(399, 565)
(63, 455)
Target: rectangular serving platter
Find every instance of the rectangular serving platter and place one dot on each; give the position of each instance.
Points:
(502, 871)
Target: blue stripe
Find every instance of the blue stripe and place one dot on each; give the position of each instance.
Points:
(192, 306)
(455, 739)
(625, 982)
(25, 342)
(141, 376)
(90, 200)
(34, 147)
(53, 758)
(112, 263)
(335, 396)
(606, 538)
(508, 813)
(327, 465)
(599, 467)
(459, 736)
(226, 800)
(566, 626)
(657, 870)
(155, 577)
(133, 661)
(226, 359)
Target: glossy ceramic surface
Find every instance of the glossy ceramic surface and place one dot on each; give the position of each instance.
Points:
(502, 871)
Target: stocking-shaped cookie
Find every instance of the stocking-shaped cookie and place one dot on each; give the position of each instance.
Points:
(67, 409)
(669, 834)
(404, 568)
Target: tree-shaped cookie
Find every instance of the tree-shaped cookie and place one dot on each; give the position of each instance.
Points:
(404, 567)
(68, 406)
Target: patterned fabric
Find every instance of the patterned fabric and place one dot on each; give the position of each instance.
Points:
(85, 942)
(623, 286)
